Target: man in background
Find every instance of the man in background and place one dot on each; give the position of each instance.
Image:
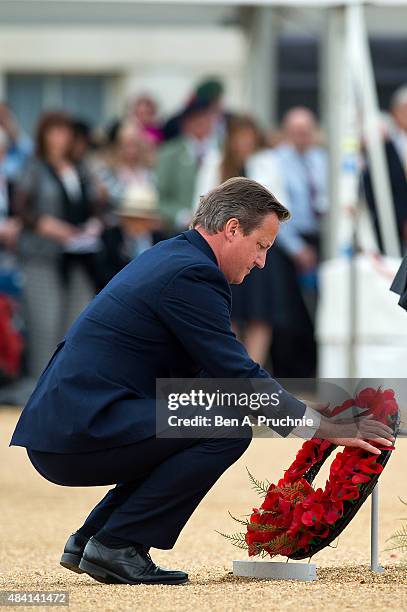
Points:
(178, 164)
(396, 154)
(299, 167)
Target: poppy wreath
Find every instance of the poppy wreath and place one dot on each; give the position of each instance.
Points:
(295, 520)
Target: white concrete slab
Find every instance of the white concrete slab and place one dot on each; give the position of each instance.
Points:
(274, 570)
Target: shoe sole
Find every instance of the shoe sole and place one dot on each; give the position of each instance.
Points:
(71, 562)
(102, 575)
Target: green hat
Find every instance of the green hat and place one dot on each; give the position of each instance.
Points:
(210, 90)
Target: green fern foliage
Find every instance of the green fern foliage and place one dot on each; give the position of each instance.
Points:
(237, 539)
(398, 541)
(261, 486)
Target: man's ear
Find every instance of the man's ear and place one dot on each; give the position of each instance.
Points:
(232, 228)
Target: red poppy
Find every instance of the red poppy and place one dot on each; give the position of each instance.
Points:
(360, 478)
(333, 512)
(313, 516)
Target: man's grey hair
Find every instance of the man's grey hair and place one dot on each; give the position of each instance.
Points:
(399, 97)
(240, 198)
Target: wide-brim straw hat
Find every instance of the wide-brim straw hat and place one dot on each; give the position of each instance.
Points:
(140, 201)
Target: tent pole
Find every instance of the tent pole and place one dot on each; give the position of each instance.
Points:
(361, 66)
(334, 46)
(374, 532)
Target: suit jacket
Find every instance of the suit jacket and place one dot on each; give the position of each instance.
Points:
(176, 175)
(166, 314)
(48, 196)
(398, 184)
(399, 284)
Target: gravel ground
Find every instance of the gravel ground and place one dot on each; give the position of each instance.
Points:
(36, 518)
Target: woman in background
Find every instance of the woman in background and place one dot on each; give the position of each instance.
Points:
(56, 204)
(128, 162)
(142, 112)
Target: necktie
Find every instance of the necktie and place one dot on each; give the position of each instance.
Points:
(311, 187)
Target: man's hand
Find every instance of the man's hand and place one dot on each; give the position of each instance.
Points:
(306, 259)
(356, 433)
(352, 432)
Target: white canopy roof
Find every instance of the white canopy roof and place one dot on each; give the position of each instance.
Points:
(304, 3)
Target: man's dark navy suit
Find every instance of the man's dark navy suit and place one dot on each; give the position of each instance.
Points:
(166, 314)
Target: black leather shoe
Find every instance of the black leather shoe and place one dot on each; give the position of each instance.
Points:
(73, 552)
(128, 565)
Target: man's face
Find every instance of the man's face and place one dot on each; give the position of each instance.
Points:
(200, 125)
(300, 129)
(400, 116)
(243, 253)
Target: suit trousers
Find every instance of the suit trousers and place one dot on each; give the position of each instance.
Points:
(159, 483)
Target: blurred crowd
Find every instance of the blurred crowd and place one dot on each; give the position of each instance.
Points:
(78, 203)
